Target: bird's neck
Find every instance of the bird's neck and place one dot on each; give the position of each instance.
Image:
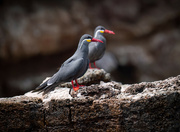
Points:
(83, 51)
(100, 37)
(97, 33)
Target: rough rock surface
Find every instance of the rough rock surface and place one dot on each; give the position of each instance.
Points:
(106, 106)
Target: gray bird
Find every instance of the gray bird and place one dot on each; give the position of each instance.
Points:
(72, 68)
(96, 49)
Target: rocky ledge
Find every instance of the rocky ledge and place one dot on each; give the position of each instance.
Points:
(101, 105)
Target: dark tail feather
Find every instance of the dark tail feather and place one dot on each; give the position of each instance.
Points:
(49, 88)
(40, 87)
(45, 88)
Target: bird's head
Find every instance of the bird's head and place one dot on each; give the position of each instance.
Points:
(102, 30)
(86, 39)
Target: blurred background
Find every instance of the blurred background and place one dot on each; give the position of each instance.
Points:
(36, 37)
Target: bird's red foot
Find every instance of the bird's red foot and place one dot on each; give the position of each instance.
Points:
(76, 88)
(78, 84)
(81, 85)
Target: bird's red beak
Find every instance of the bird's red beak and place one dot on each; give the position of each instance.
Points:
(108, 31)
(96, 40)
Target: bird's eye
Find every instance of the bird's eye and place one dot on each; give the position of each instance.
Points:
(89, 37)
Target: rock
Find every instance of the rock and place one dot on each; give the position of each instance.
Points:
(22, 113)
(108, 106)
(92, 76)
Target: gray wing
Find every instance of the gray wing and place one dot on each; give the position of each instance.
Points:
(67, 72)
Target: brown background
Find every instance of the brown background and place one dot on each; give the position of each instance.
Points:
(36, 37)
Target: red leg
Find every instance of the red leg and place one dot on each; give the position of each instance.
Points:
(95, 65)
(78, 84)
(72, 83)
(75, 88)
(90, 66)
